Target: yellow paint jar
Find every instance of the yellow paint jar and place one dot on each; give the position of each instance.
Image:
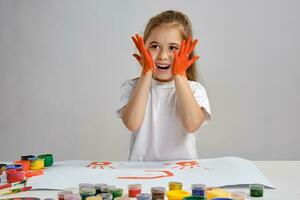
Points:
(94, 198)
(175, 185)
(216, 193)
(177, 194)
(37, 164)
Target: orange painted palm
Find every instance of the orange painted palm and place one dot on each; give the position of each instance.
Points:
(145, 58)
(181, 59)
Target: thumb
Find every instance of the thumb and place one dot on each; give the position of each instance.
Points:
(138, 58)
(190, 62)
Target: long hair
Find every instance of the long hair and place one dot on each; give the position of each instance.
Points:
(179, 19)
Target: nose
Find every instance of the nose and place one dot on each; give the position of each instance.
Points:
(163, 54)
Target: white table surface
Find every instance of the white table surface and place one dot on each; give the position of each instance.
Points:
(285, 175)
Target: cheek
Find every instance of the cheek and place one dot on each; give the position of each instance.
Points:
(172, 57)
(153, 55)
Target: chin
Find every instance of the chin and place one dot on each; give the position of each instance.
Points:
(163, 78)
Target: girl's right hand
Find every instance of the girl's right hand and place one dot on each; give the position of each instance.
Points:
(145, 58)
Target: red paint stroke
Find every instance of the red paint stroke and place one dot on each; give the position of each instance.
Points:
(166, 174)
(187, 164)
(101, 165)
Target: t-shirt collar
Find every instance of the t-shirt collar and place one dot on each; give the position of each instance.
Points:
(168, 84)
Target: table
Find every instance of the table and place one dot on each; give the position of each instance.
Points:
(285, 175)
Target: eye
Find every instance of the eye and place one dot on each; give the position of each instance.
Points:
(154, 46)
(173, 48)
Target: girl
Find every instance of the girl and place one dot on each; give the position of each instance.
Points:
(164, 106)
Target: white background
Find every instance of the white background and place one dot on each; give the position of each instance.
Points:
(62, 64)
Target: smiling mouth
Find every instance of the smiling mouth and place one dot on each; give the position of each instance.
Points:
(163, 67)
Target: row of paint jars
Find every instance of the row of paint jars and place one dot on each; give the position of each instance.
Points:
(107, 192)
(27, 167)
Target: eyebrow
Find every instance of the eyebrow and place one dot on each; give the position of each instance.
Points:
(153, 42)
(173, 43)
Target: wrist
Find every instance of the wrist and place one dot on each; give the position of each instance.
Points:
(147, 73)
(182, 74)
(179, 76)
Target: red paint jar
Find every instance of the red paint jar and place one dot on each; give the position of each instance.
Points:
(15, 175)
(134, 190)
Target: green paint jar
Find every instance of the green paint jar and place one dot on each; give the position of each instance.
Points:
(116, 192)
(256, 190)
(194, 198)
(48, 159)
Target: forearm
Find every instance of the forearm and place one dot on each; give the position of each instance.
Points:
(134, 111)
(190, 112)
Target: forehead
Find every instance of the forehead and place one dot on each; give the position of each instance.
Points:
(165, 35)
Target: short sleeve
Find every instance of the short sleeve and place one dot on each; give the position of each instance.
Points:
(126, 90)
(200, 95)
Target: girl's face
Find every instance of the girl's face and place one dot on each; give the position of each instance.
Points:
(162, 42)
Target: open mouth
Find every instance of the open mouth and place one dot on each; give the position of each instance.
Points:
(163, 66)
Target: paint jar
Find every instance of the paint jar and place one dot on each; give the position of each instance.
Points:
(28, 157)
(219, 198)
(98, 187)
(256, 190)
(237, 195)
(177, 194)
(106, 196)
(61, 195)
(143, 196)
(2, 165)
(81, 185)
(134, 190)
(122, 198)
(48, 159)
(105, 188)
(72, 197)
(37, 164)
(194, 198)
(116, 192)
(17, 167)
(94, 198)
(175, 185)
(2, 168)
(25, 164)
(14, 175)
(87, 192)
(198, 190)
(158, 193)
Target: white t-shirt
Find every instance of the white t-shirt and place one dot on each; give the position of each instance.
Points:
(162, 135)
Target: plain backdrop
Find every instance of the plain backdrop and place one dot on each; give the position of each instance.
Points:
(62, 64)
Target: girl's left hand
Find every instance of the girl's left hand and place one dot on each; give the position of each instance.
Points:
(181, 59)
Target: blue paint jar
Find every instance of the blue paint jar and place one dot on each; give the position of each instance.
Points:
(198, 190)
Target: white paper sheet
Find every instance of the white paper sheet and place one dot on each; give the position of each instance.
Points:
(217, 172)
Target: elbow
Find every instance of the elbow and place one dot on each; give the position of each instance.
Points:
(192, 127)
(131, 126)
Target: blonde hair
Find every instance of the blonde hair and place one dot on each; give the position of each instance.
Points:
(179, 19)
